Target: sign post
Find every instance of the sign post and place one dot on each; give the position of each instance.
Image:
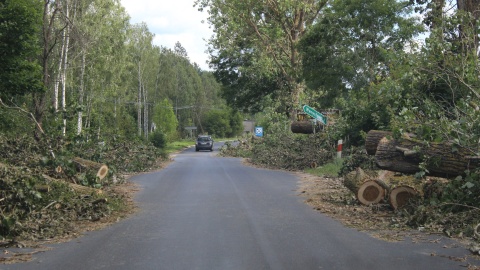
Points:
(316, 115)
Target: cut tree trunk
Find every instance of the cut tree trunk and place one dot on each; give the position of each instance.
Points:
(405, 155)
(401, 195)
(304, 127)
(366, 189)
(371, 191)
(88, 166)
(373, 138)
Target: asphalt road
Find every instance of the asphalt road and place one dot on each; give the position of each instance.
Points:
(208, 212)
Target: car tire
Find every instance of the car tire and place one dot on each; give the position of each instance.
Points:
(196, 149)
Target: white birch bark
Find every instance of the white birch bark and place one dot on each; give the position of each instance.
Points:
(81, 93)
(64, 71)
(139, 103)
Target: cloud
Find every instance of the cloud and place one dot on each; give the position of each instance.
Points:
(173, 21)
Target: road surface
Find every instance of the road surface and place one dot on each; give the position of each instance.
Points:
(207, 212)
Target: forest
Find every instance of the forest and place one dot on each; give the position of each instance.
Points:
(81, 87)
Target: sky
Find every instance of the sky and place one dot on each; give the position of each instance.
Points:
(173, 21)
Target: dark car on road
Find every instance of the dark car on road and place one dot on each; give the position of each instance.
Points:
(204, 142)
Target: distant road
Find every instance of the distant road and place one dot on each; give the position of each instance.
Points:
(206, 212)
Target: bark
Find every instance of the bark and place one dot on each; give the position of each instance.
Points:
(81, 94)
(366, 188)
(83, 165)
(401, 195)
(139, 109)
(64, 71)
(304, 127)
(405, 155)
(373, 138)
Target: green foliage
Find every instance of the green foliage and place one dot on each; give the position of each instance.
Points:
(337, 63)
(223, 123)
(158, 139)
(236, 149)
(356, 157)
(331, 169)
(20, 21)
(461, 193)
(165, 119)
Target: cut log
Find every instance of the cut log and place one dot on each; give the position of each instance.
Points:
(404, 155)
(304, 127)
(401, 195)
(353, 180)
(98, 169)
(367, 189)
(371, 191)
(373, 138)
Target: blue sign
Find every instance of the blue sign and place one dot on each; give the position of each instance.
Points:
(259, 131)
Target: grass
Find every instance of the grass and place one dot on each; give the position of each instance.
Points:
(330, 169)
(178, 145)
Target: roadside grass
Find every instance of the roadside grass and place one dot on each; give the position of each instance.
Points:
(178, 145)
(330, 169)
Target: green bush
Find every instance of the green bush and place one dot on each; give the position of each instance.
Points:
(158, 139)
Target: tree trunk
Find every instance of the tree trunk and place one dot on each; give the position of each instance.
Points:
(81, 94)
(401, 195)
(139, 109)
(304, 127)
(367, 189)
(64, 71)
(371, 191)
(405, 155)
(373, 138)
(83, 165)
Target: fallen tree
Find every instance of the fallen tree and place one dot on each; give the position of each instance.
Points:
(92, 167)
(304, 127)
(442, 159)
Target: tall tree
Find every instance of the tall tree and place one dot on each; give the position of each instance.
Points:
(351, 47)
(20, 72)
(258, 39)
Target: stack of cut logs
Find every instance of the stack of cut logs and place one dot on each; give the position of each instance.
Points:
(400, 158)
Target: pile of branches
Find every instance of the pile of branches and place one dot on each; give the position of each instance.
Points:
(284, 151)
(43, 193)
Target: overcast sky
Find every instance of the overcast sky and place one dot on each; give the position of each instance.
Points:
(173, 21)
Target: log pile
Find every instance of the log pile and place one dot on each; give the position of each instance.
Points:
(404, 155)
(385, 186)
(400, 159)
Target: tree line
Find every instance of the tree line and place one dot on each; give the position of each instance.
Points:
(80, 69)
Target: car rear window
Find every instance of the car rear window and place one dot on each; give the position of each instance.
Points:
(203, 139)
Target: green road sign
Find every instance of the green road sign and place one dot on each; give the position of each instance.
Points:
(310, 111)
